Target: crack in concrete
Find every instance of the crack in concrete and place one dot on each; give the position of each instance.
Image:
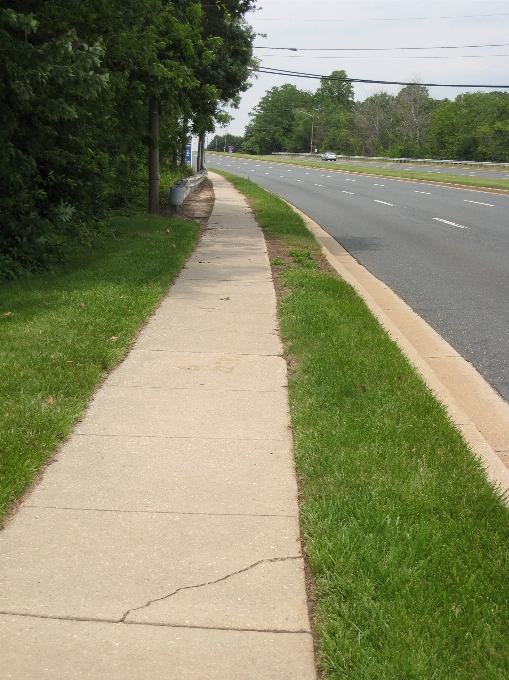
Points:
(209, 583)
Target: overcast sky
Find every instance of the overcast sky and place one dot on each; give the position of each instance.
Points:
(383, 24)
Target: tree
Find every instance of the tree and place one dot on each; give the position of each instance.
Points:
(413, 110)
(373, 121)
(335, 90)
(225, 73)
(276, 124)
(472, 127)
(48, 174)
(333, 102)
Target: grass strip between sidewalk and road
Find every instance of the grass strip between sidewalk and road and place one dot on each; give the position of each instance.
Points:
(440, 177)
(407, 542)
(63, 331)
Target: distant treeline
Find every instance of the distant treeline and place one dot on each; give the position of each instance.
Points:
(410, 124)
(78, 81)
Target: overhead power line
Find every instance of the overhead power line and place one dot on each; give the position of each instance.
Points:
(297, 74)
(453, 16)
(376, 49)
(342, 57)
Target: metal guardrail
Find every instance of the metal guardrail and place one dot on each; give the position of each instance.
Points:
(427, 161)
(178, 193)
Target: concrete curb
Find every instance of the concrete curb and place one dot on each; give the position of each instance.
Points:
(474, 407)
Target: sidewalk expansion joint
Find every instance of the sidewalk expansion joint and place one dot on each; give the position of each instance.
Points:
(240, 354)
(196, 387)
(116, 622)
(298, 631)
(209, 583)
(158, 436)
(157, 512)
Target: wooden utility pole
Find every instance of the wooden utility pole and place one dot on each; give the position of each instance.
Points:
(153, 158)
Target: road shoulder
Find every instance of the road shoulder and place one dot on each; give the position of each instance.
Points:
(476, 409)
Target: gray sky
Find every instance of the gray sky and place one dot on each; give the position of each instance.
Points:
(379, 23)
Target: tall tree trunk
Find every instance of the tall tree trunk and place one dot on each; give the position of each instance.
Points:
(153, 158)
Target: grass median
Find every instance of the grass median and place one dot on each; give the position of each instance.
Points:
(407, 542)
(440, 177)
(63, 331)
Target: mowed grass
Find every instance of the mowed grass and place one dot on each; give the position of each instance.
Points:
(62, 332)
(441, 177)
(407, 542)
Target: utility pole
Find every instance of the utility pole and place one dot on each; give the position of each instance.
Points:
(153, 158)
(312, 116)
(202, 154)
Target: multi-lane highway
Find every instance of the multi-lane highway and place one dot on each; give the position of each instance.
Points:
(445, 251)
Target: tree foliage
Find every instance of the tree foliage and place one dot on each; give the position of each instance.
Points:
(77, 76)
(277, 123)
(222, 142)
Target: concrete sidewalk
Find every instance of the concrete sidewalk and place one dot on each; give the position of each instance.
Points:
(164, 541)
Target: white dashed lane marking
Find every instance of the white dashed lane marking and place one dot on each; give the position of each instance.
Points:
(453, 224)
(348, 192)
(428, 193)
(384, 202)
(479, 203)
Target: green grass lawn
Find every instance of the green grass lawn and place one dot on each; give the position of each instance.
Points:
(407, 542)
(61, 332)
(441, 177)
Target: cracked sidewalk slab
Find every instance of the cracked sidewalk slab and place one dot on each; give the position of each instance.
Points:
(98, 565)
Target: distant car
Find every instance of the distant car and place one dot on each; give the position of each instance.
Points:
(329, 156)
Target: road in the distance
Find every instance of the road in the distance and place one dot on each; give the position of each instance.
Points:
(436, 169)
(445, 251)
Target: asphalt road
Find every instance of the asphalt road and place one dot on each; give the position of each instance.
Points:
(445, 251)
